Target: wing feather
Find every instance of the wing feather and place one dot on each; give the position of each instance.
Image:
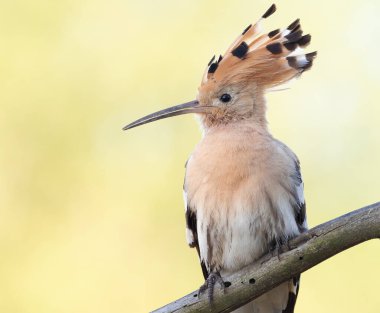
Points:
(191, 230)
(300, 217)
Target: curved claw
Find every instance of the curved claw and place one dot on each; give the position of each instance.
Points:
(209, 286)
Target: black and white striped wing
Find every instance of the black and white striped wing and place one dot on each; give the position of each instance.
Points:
(191, 230)
(300, 217)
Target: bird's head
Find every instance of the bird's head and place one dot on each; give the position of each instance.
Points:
(233, 86)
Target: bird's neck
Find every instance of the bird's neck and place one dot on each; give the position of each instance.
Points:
(239, 131)
(249, 123)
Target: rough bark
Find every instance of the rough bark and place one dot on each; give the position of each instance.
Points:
(302, 253)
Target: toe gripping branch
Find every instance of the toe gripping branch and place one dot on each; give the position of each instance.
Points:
(209, 286)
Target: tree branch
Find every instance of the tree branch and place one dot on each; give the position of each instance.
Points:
(303, 252)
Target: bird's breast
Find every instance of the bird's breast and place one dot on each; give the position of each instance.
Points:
(232, 183)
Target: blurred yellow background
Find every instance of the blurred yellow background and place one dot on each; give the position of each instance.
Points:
(92, 219)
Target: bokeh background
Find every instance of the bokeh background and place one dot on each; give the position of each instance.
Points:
(91, 218)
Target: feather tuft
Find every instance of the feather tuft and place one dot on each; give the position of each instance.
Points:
(266, 60)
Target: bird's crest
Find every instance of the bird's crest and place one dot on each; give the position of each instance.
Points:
(266, 60)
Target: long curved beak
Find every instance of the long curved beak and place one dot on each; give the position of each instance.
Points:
(185, 108)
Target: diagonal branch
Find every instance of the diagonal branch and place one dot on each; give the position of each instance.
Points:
(304, 252)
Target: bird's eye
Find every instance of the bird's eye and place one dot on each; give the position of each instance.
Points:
(225, 97)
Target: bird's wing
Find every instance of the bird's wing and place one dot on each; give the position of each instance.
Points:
(300, 217)
(191, 230)
(192, 236)
(295, 189)
(300, 205)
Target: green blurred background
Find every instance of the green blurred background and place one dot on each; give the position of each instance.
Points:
(91, 218)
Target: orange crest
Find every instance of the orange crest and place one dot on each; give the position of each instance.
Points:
(266, 60)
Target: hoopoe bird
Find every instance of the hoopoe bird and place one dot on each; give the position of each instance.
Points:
(243, 188)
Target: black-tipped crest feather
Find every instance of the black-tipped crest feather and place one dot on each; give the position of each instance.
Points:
(305, 40)
(270, 11)
(273, 33)
(212, 60)
(246, 29)
(291, 46)
(241, 50)
(311, 56)
(294, 36)
(213, 68)
(274, 48)
(294, 24)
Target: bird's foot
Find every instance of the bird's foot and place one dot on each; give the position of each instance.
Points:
(209, 285)
(276, 252)
(279, 247)
(276, 248)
